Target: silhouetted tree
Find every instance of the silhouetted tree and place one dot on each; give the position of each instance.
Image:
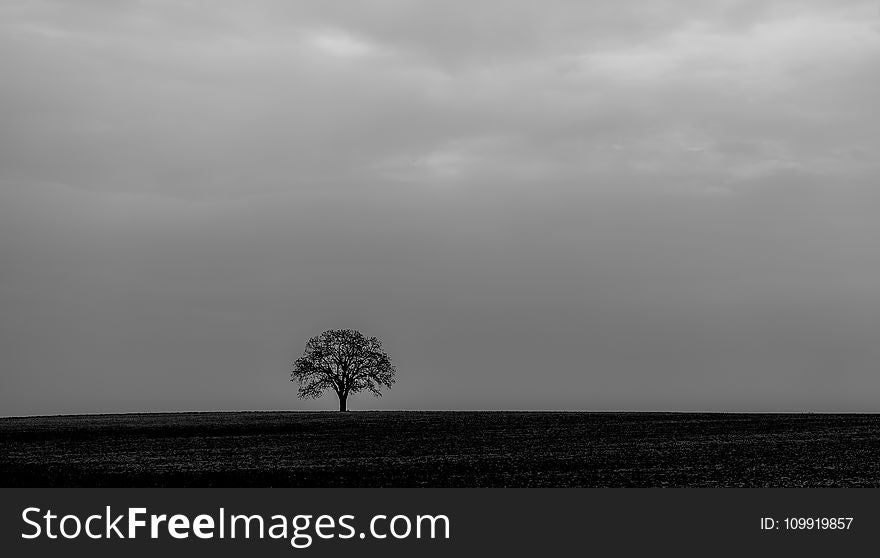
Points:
(346, 362)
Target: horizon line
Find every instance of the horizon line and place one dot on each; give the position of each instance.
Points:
(333, 411)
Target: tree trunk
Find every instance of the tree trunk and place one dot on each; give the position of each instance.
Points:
(342, 402)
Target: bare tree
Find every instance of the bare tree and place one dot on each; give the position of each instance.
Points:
(345, 361)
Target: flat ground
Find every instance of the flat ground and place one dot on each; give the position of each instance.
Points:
(441, 449)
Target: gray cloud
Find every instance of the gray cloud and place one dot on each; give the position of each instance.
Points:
(645, 207)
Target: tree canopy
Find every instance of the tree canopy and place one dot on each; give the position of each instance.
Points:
(344, 361)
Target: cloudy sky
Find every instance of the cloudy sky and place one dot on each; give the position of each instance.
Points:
(666, 205)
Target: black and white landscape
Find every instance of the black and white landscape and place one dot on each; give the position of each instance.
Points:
(603, 243)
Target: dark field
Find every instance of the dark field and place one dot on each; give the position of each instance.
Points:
(441, 449)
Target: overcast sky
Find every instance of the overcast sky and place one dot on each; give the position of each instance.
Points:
(665, 205)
